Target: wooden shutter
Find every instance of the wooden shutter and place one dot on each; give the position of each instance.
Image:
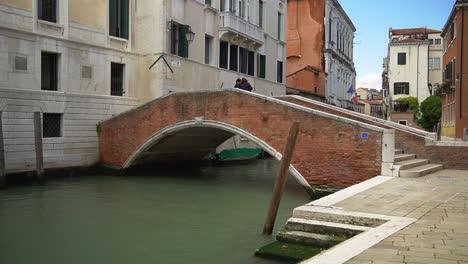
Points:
(124, 13)
(113, 18)
(183, 42)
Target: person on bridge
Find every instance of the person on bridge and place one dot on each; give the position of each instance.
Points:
(245, 85)
(238, 83)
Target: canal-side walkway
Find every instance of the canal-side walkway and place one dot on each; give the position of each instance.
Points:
(438, 204)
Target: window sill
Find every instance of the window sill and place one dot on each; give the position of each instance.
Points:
(119, 40)
(50, 24)
(211, 8)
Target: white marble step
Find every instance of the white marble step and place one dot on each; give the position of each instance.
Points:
(408, 164)
(401, 157)
(420, 170)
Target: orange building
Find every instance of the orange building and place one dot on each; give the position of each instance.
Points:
(455, 65)
(305, 45)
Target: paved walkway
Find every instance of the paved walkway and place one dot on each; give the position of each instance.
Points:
(438, 201)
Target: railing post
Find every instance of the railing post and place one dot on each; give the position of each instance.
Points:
(38, 145)
(280, 180)
(2, 156)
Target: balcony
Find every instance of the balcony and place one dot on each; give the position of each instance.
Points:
(232, 26)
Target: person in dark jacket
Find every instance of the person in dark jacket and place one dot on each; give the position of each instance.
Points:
(245, 85)
(238, 83)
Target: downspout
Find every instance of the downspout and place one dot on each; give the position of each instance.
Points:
(417, 74)
(461, 62)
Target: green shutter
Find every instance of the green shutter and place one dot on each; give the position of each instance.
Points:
(183, 42)
(113, 18)
(124, 13)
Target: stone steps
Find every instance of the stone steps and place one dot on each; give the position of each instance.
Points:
(408, 164)
(402, 157)
(420, 170)
(320, 227)
(304, 212)
(398, 151)
(301, 237)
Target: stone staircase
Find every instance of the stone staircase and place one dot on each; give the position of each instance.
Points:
(408, 166)
(323, 229)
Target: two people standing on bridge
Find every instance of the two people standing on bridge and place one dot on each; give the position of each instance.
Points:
(243, 85)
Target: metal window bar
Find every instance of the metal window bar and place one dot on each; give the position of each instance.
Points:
(48, 10)
(51, 125)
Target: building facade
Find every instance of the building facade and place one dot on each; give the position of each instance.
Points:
(412, 68)
(305, 50)
(320, 51)
(81, 61)
(454, 92)
(338, 54)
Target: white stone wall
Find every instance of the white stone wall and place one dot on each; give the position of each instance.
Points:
(339, 63)
(436, 51)
(78, 145)
(415, 71)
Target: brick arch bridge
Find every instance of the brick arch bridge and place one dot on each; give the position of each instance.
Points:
(330, 149)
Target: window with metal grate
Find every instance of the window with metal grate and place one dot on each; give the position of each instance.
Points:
(51, 125)
(117, 73)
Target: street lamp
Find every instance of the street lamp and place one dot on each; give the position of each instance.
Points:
(189, 34)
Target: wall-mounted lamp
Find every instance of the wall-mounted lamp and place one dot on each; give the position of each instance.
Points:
(189, 34)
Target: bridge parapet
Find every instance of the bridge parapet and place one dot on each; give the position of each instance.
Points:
(331, 150)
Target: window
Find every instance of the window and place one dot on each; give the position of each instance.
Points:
(117, 78)
(47, 10)
(241, 8)
(51, 125)
(233, 58)
(222, 5)
(452, 31)
(431, 41)
(251, 64)
(49, 71)
(402, 58)
(223, 54)
(279, 71)
(260, 14)
(118, 18)
(208, 2)
(243, 56)
(279, 25)
(261, 66)
(438, 41)
(401, 88)
(434, 63)
(208, 49)
(179, 42)
(231, 6)
(403, 122)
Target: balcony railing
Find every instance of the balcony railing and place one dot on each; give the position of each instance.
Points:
(229, 22)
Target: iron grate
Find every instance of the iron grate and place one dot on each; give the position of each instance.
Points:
(51, 125)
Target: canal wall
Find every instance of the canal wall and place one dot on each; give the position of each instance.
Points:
(331, 151)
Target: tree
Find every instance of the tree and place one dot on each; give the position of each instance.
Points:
(430, 110)
(412, 103)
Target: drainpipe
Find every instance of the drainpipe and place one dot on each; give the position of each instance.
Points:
(461, 61)
(417, 74)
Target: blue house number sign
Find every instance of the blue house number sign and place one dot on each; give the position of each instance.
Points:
(364, 135)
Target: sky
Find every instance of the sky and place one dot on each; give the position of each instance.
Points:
(373, 18)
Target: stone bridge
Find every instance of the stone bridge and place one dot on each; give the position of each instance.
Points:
(331, 151)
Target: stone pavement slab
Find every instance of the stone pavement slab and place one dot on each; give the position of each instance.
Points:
(438, 201)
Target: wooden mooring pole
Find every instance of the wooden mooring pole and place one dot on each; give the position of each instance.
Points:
(38, 143)
(2, 156)
(280, 179)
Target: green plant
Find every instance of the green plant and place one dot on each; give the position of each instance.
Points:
(98, 128)
(412, 103)
(431, 110)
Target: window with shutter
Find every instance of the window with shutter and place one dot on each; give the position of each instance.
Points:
(243, 60)
(117, 78)
(402, 58)
(119, 18)
(49, 71)
(223, 54)
(279, 71)
(47, 10)
(233, 58)
(251, 64)
(261, 66)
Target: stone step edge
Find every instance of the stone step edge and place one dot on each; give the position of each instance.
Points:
(314, 239)
(336, 217)
(328, 224)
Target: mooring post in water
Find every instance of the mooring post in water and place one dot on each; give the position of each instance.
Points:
(2, 156)
(38, 143)
(280, 179)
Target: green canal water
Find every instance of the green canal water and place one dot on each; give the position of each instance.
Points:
(187, 215)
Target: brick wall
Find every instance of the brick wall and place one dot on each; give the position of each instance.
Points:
(328, 152)
(452, 157)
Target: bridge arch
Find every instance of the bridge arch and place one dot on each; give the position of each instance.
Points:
(200, 123)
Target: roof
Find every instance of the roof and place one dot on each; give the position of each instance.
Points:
(457, 4)
(412, 31)
(409, 41)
